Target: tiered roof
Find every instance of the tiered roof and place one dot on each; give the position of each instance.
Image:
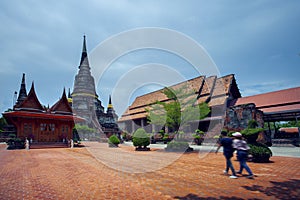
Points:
(62, 106)
(31, 102)
(211, 90)
(84, 84)
(31, 107)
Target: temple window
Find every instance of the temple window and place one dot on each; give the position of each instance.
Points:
(27, 128)
(64, 129)
(43, 127)
(51, 127)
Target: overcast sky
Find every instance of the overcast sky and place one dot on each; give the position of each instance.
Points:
(257, 40)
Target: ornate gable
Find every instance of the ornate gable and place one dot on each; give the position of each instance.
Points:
(31, 103)
(62, 106)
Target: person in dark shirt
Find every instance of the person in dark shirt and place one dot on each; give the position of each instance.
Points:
(226, 143)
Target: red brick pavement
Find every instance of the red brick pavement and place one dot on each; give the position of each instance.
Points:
(78, 174)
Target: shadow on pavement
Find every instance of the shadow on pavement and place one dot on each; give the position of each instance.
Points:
(281, 190)
(195, 197)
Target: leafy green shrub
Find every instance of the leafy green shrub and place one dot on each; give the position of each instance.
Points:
(260, 152)
(178, 146)
(251, 131)
(166, 136)
(252, 124)
(113, 140)
(12, 135)
(198, 136)
(195, 136)
(15, 143)
(140, 138)
(251, 134)
(199, 132)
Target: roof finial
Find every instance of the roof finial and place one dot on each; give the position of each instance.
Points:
(64, 92)
(109, 99)
(84, 52)
(23, 78)
(84, 44)
(69, 93)
(109, 102)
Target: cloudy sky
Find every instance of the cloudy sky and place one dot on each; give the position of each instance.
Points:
(256, 40)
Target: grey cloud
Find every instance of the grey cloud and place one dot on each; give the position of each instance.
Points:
(44, 38)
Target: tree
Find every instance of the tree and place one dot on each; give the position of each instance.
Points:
(179, 111)
(291, 124)
(2, 123)
(279, 125)
(82, 130)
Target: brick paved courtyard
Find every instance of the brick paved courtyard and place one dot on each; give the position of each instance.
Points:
(99, 172)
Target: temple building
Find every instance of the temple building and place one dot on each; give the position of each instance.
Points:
(86, 104)
(214, 91)
(228, 108)
(39, 123)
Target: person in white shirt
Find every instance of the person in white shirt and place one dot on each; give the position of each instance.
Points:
(242, 148)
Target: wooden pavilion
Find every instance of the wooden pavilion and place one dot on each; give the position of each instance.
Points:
(38, 123)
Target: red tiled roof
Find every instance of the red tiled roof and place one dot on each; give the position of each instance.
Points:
(216, 88)
(281, 108)
(290, 130)
(158, 95)
(281, 100)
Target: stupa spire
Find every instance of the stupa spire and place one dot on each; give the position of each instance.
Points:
(84, 44)
(69, 93)
(84, 57)
(109, 102)
(84, 81)
(22, 92)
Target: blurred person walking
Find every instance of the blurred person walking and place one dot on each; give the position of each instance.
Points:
(242, 153)
(227, 144)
